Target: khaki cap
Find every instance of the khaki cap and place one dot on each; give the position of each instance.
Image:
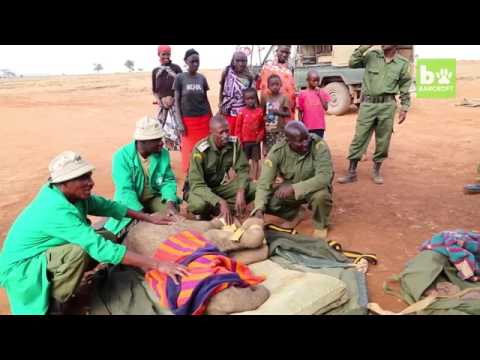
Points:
(68, 165)
(148, 129)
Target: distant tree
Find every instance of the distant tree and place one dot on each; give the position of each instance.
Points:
(97, 67)
(130, 64)
(139, 69)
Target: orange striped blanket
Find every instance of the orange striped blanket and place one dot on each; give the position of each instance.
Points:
(211, 271)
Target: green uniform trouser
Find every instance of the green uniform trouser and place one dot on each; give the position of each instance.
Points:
(66, 265)
(155, 205)
(198, 206)
(320, 202)
(378, 118)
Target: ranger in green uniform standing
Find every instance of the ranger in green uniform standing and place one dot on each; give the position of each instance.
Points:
(211, 189)
(304, 164)
(387, 73)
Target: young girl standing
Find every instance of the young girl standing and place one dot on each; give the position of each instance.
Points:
(276, 108)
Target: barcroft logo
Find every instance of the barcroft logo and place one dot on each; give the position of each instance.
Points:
(436, 78)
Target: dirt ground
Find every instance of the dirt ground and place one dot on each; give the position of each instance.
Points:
(433, 154)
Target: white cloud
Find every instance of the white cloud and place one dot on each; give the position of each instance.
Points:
(79, 59)
(459, 52)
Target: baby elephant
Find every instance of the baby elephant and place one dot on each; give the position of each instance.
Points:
(251, 247)
(145, 238)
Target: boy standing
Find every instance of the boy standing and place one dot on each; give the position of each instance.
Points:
(312, 105)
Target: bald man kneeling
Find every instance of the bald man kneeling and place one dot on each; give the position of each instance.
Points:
(304, 163)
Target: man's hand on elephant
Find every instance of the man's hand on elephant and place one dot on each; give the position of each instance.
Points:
(259, 214)
(240, 203)
(147, 263)
(285, 191)
(402, 117)
(225, 212)
(171, 269)
(158, 219)
(172, 211)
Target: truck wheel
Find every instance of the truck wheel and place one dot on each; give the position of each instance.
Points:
(341, 99)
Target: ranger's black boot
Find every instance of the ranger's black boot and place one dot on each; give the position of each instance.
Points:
(377, 178)
(351, 175)
(56, 308)
(472, 189)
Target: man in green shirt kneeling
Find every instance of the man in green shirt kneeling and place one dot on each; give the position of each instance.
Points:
(51, 243)
(304, 165)
(143, 177)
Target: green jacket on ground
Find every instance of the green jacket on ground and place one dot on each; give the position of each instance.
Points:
(50, 220)
(129, 181)
(427, 270)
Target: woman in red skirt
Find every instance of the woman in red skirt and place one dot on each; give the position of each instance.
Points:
(192, 106)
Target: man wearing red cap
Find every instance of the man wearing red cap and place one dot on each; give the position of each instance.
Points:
(162, 83)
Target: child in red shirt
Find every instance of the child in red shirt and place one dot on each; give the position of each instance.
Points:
(250, 129)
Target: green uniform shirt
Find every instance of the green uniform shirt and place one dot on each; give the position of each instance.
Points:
(383, 78)
(147, 191)
(307, 173)
(51, 220)
(129, 179)
(209, 167)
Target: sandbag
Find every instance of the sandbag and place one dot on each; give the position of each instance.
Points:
(297, 293)
(354, 280)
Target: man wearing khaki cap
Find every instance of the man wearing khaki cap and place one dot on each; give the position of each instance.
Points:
(49, 246)
(142, 174)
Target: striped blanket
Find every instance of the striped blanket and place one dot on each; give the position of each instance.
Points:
(462, 249)
(211, 271)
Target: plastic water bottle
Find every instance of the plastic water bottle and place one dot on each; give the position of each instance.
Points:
(270, 115)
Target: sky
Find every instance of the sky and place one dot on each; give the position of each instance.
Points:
(79, 59)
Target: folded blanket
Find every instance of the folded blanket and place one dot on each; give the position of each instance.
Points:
(462, 248)
(211, 271)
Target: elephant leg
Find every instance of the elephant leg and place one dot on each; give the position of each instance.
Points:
(235, 299)
(250, 256)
